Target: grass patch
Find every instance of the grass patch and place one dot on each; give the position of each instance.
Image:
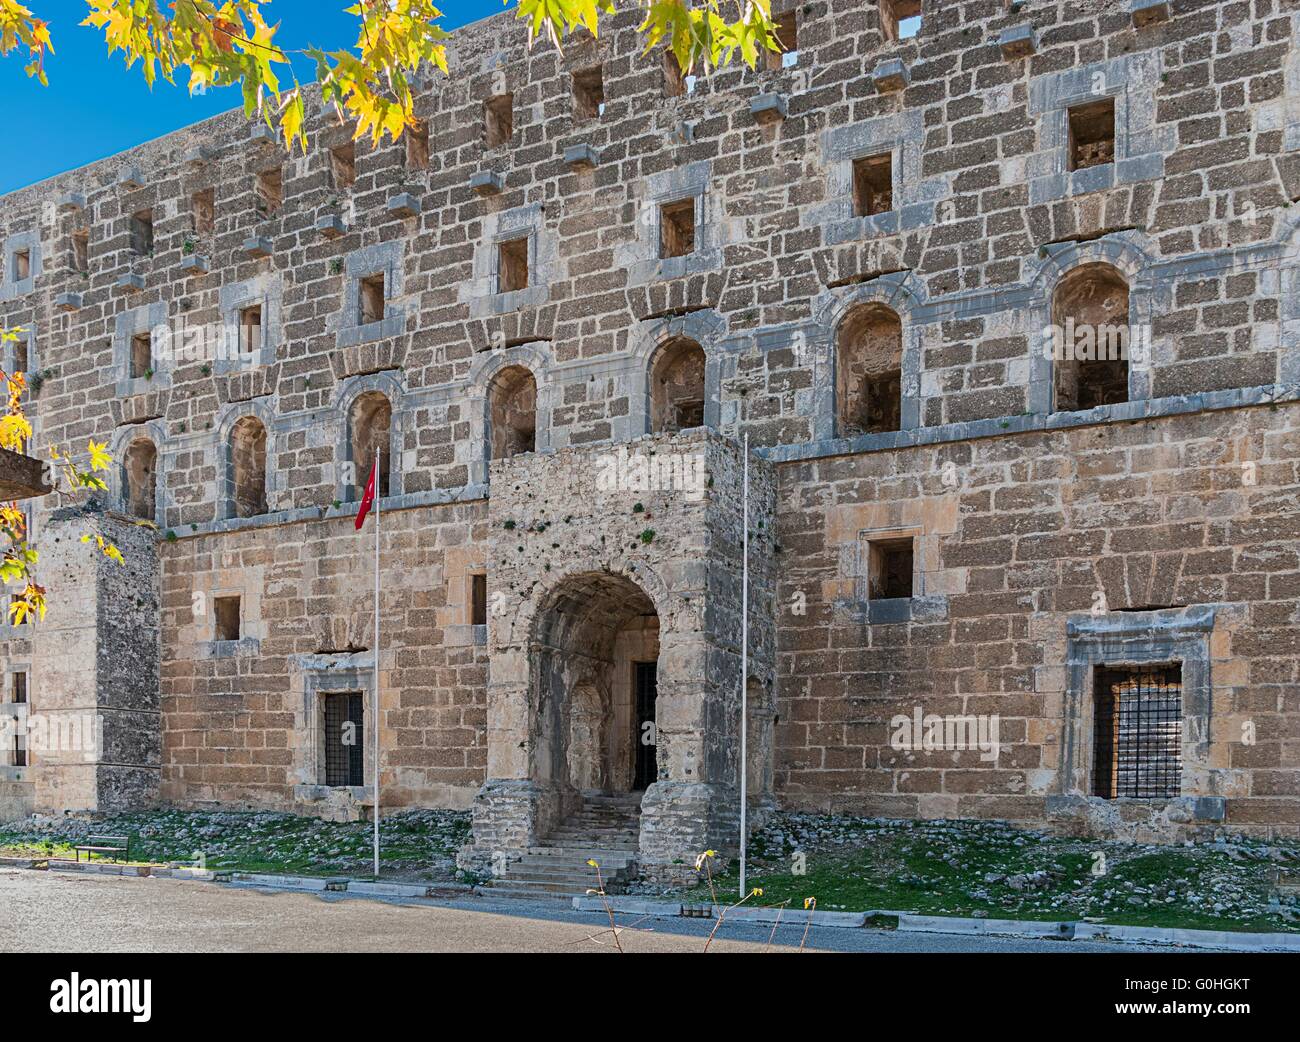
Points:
(418, 845)
(992, 870)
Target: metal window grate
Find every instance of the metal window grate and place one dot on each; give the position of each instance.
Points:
(1138, 732)
(344, 746)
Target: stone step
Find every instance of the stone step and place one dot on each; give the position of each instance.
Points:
(610, 813)
(566, 855)
(580, 833)
(612, 841)
(576, 880)
(558, 858)
(573, 888)
(604, 817)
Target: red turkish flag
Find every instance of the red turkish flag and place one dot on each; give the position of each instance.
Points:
(368, 500)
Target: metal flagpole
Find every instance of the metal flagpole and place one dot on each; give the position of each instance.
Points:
(744, 670)
(379, 457)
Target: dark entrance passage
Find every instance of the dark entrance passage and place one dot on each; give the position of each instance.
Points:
(647, 764)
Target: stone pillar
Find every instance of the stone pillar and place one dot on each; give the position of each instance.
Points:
(94, 732)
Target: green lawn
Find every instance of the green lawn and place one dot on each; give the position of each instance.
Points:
(995, 871)
(418, 845)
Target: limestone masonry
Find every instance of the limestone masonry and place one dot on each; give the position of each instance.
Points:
(1006, 306)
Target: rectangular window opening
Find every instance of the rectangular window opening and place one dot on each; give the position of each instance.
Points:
(344, 740)
(900, 19)
(589, 93)
(873, 185)
(270, 191)
(203, 211)
(675, 81)
(787, 35)
(81, 251)
(343, 165)
(889, 568)
(1092, 134)
(677, 228)
(141, 355)
(1138, 731)
(417, 146)
(22, 264)
(478, 600)
(142, 232)
(498, 120)
(372, 299)
(226, 610)
(250, 329)
(512, 265)
(19, 688)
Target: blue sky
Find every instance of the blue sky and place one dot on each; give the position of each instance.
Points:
(95, 107)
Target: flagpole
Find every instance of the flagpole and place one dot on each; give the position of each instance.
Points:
(744, 671)
(379, 456)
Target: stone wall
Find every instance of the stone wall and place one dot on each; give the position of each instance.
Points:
(1176, 538)
(94, 670)
(241, 716)
(989, 216)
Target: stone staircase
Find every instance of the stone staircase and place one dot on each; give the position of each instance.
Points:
(606, 829)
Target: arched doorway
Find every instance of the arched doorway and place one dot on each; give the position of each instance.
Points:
(593, 663)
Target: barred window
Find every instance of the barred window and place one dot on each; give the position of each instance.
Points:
(343, 740)
(1138, 731)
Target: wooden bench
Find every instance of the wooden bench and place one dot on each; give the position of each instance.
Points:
(106, 845)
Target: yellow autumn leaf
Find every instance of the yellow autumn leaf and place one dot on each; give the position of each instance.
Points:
(15, 430)
(100, 457)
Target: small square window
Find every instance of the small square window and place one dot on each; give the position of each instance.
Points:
(900, 19)
(889, 569)
(677, 228)
(343, 165)
(372, 299)
(1138, 731)
(141, 355)
(81, 251)
(589, 93)
(142, 232)
(787, 36)
(417, 146)
(250, 329)
(19, 688)
(873, 185)
(498, 120)
(226, 610)
(203, 211)
(22, 264)
(512, 265)
(1092, 134)
(478, 600)
(270, 191)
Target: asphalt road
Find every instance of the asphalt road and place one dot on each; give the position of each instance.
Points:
(54, 912)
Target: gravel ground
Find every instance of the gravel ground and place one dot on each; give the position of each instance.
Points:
(53, 912)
